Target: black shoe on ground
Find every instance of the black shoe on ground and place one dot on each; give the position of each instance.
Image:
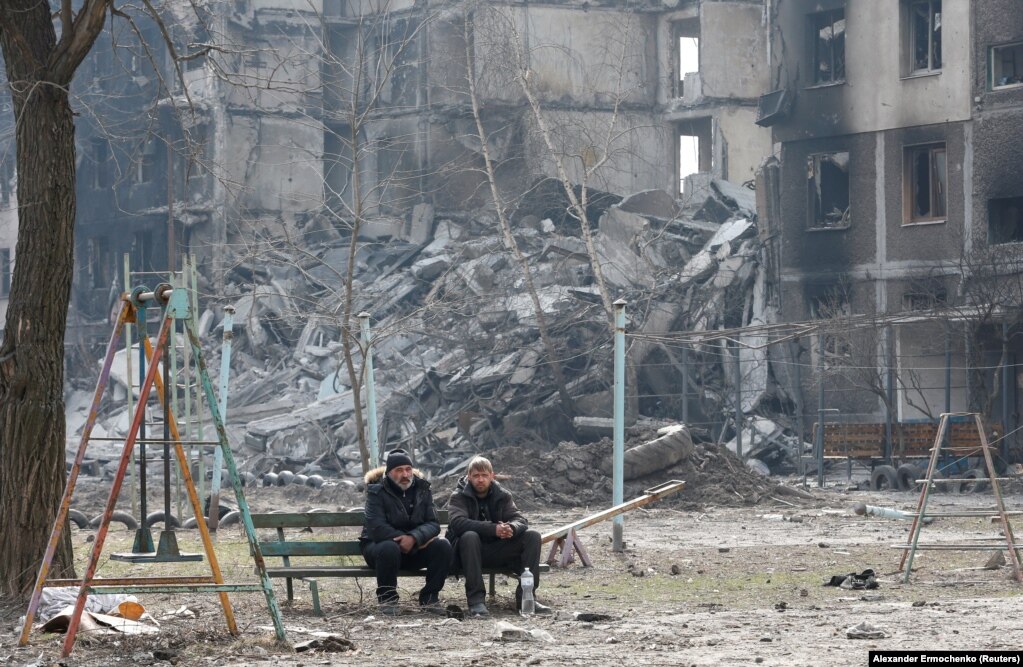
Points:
(434, 607)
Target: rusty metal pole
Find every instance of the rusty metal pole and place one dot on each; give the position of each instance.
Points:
(619, 424)
(218, 456)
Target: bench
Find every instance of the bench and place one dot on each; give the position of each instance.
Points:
(282, 548)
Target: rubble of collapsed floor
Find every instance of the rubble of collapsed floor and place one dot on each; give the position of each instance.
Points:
(459, 365)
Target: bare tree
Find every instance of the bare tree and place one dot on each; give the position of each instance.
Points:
(501, 210)
(39, 68)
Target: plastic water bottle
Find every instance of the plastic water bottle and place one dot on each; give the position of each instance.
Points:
(528, 603)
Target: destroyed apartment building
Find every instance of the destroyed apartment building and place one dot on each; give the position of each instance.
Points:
(896, 190)
(254, 159)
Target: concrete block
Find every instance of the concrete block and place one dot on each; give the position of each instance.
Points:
(622, 226)
(420, 227)
(656, 203)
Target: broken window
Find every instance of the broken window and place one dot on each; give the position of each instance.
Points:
(695, 149)
(100, 153)
(828, 35)
(924, 294)
(100, 262)
(926, 183)
(925, 36)
(142, 251)
(1005, 220)
(1007, 65)
(399, 63)
(687, 40)
(831, 302)
(147, 161)
(827, 178)
(5, 271)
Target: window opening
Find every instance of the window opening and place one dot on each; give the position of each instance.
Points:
(1007, 65)
(147, 161)
(831, 302)
(100, 163)
(927, 180)
(925, 36)
(1005, 220)
(828, 30)
(695, 149)
(828, 184)
(687, 61)
(100, 263)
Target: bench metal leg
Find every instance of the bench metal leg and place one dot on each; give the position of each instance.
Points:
(291, 590)
(493, 587)
(314, 590)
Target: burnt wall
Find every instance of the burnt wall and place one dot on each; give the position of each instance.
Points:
(808, 248)
(997, 146)
(996, 22)
(928, 241)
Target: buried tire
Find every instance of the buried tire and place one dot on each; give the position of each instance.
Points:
(906, 476)
(883, 478)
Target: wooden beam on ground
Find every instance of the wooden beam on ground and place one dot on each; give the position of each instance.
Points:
(649, 496)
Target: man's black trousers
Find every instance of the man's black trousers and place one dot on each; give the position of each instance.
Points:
(386, 558)
(516, 553)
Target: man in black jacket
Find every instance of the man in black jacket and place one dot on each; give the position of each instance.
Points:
(487, 529)
(401, 532)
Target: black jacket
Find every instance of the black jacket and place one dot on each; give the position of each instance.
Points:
(464, 511)
(387, 517)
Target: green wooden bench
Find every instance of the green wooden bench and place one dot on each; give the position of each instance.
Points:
(282, 548)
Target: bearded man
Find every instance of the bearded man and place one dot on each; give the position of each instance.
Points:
(401, 533)
(486, 529)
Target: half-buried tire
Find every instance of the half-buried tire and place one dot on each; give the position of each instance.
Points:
(884, 478)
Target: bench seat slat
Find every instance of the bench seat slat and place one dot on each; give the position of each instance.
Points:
(312, 571)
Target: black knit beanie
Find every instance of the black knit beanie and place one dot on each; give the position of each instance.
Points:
(397, 458)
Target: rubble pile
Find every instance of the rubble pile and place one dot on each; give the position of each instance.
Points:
(459, 367)
(574, 475)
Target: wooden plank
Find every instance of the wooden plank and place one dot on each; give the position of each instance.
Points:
(343, 572)
(348, 548)
(309, 519)
(353, 518)
(650, 495)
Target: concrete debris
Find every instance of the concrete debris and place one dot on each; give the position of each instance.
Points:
(459, 366)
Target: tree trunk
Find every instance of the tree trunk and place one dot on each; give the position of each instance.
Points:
(32, 425)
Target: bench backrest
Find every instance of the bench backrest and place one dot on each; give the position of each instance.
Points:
(282, 520)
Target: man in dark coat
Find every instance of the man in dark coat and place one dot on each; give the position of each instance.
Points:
(486, 529)
(401, 532)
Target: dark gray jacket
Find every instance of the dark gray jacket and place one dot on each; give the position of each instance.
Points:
(464, 512)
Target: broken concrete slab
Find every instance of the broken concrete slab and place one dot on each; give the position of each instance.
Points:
(420, 225)
(656, 203)
(380, 228)
(622, 226)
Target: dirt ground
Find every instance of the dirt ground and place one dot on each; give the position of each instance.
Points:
(700, 583)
